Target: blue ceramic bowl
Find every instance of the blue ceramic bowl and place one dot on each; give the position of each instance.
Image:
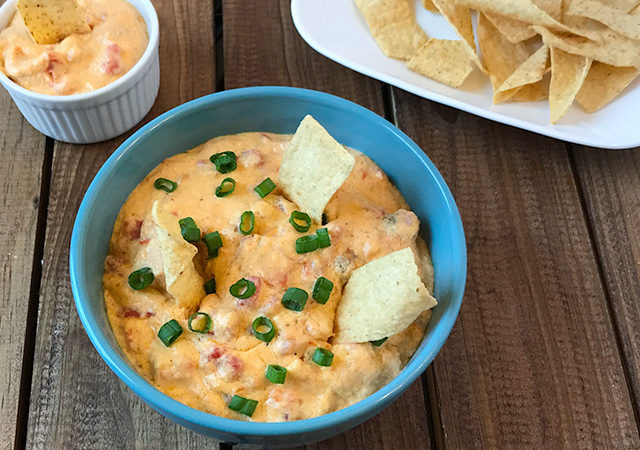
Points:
(278, 110)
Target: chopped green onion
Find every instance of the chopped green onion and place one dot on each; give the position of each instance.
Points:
(325, 219)
(225, 162)
(163, 184)
(206, 326)
(261, 323)
(213, 241)
(306, 244)
(226, 187)
(210, 286)
(294, 299)
(379, 342)
(297, 216)
(265, 188)
(141, 278)
(243, 405)
(322, 357)
(247, 220)
(242, 289)
(189, 229)
(322, 290)
(323, 238)
(275, 373)
(169, 332)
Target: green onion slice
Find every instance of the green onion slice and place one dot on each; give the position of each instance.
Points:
(225, 162)
(169, 332)
(243, 405)
(213, 241)
(306, 244)
(141, 278)
(294, 299)
(297, 217)
(189, 229)
(164, 184)
(264, 324)
(210, 286)
(243, 288)
(265, 188)
(322, 357)
(205, 324)
(379, 342)
(226, 187)
(275, 373)
(323, 238)
(247, 220)
(322, 290)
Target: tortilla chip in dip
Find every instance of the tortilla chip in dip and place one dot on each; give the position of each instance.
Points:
(603, 84)
(568, 73)
(313, 168)
(393, 26)
(51, 21)
(445, 61)
(381, 299)
(170, 257)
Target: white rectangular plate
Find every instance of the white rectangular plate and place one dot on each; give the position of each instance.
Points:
(336, 29)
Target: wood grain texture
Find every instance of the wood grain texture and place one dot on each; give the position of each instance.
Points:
(76, 401)
(22, 152)
(532, 361)
(610, 182)
(261, 47)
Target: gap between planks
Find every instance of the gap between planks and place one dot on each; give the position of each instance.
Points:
(22, 417)
(635, 395)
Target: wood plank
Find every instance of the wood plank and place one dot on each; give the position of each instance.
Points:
(610, 182)
(261, 47)
(76, 401)
(22, 151)
(532, 361)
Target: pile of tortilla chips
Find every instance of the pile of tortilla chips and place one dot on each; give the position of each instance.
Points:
(590, 47)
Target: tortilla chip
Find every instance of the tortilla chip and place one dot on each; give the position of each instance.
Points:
(170, 257)
(568, 73)
(531, 71)
(53, 20)
(393, 26)
(514, 30)
(532, 92)
(313, 168)
(429, 6)
(381, 299)
(551, 7)
(460, 19)
(616, 19)
(614, 49)
(603, 84)
(501, 57)
(525, 11)
(445, 61)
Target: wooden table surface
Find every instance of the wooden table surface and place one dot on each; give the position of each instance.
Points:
(545, 352)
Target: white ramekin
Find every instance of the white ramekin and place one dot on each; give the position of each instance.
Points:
(101, 114)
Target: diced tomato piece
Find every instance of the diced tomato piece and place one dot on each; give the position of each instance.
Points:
(131, 314)
(216, 353)
(132, 228)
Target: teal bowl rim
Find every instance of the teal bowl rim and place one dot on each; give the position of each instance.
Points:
(350, 415)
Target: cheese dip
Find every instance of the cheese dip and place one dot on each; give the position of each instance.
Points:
(80, 62)
(236, 367)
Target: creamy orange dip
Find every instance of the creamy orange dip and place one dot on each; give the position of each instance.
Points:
(80, 62)
(367, 218)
